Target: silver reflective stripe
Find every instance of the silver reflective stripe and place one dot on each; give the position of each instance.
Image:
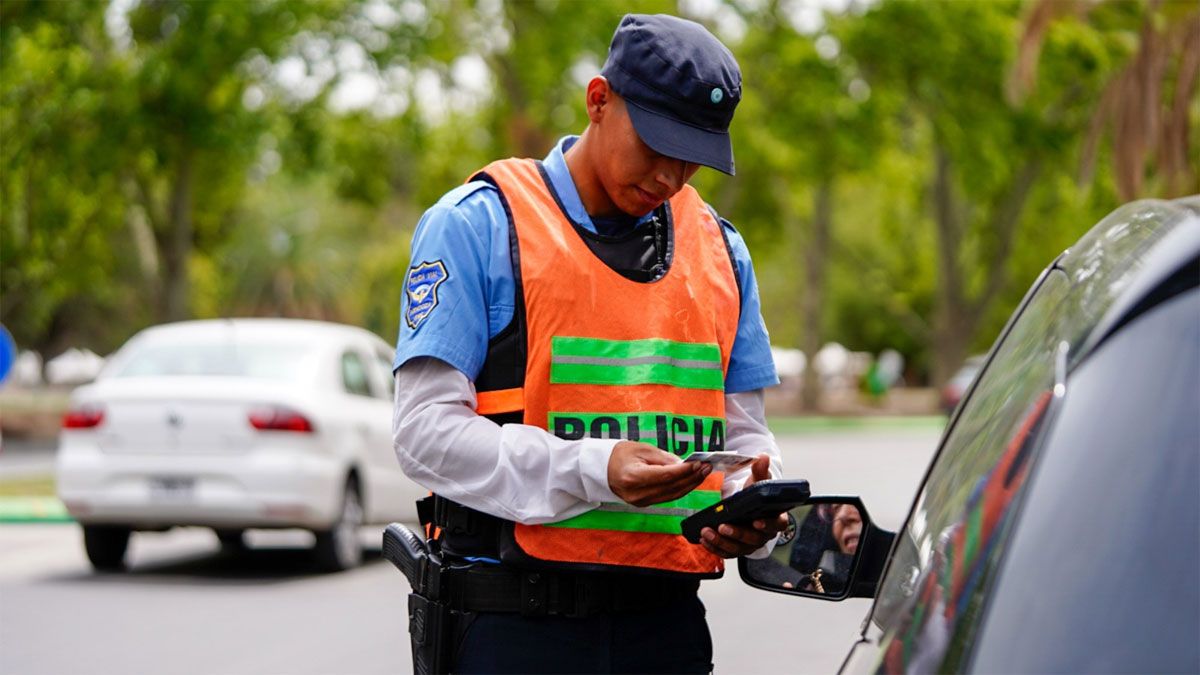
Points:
(648, 511)
(636, 361)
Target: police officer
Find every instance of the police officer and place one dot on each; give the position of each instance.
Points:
(571, 328)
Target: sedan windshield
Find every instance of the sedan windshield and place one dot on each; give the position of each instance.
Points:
(271, 361)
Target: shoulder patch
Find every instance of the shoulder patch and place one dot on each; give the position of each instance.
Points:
(421, 287)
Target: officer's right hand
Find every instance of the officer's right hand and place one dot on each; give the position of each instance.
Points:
(642, 475)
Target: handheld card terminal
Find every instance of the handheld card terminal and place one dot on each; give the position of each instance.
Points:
(764, 499)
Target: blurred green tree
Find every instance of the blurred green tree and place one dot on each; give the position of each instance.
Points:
(986, 157)
(62, 200)
(127, 143)
(190, 137)
(808, 121)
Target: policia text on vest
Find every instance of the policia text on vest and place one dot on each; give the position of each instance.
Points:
(678, 434)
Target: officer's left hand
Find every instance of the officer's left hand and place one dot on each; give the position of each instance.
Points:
(731, 541)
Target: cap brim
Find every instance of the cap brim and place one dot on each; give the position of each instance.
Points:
(676, 139)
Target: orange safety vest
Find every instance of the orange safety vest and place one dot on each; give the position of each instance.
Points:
(608, 357)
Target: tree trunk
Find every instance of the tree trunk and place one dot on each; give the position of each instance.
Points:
(951, 342)
(141, 231)
(951, 326)
(815, 256)
(958, 316)
(526, 138)
(178, 246)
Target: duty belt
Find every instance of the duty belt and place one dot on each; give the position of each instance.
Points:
(491, 588)
(481, 587)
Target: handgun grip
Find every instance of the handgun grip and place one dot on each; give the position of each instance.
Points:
(404, 549)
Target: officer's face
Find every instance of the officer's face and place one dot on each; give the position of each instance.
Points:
(636, 179)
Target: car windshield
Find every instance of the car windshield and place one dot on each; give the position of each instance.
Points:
(258, 360)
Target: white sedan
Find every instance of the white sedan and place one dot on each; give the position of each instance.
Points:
(235, 424)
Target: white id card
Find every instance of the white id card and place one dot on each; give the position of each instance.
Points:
(721, 461)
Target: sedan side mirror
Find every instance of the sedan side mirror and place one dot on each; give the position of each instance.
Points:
(830, 550)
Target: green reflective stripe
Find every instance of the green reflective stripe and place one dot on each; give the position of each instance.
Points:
(623, 522)
(632, 362)
(685, 378)
(661, 518)
(639, 361)
(649, 510)
(632, 349)
(693, 501)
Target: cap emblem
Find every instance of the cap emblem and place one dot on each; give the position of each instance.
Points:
(716, 95)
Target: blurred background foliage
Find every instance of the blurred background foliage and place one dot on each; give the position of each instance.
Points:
(905, 169)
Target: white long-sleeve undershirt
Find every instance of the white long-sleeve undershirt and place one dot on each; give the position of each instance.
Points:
(520, 472)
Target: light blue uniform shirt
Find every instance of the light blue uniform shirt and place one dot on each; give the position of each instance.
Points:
(461, 271)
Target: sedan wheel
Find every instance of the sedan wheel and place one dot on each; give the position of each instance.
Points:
(339, 548)
(106, 545)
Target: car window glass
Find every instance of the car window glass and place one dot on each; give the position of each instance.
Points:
(272, 361)
(1100, 575)
(354, 375)
(1103, 263)
(940, 559)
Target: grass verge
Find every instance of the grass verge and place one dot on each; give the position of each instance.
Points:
(808, 425)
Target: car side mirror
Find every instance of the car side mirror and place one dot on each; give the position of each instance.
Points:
(830, 550)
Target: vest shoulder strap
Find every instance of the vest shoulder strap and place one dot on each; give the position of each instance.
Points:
(498, 386)
(729, 251)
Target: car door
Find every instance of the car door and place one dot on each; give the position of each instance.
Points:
(946, 557)
(403, 492)
(940, 563)
(372, 414)
(1101, 574)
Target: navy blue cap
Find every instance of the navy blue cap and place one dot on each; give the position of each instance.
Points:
(680, 85)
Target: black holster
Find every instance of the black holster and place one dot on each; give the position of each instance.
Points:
(430, 627)
(430, 621)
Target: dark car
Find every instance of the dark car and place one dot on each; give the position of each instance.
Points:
(1058, 526)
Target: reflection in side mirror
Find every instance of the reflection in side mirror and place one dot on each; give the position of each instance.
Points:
(821, 553)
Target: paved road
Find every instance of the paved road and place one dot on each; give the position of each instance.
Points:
(186, 608)
(21, 458)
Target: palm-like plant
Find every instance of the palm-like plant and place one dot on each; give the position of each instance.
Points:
(1146, 104)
